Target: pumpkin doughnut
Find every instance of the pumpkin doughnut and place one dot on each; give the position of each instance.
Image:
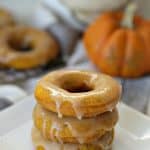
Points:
(71, 130)
(6, 18)
(26, 47)
(77, 93)
(104, 143)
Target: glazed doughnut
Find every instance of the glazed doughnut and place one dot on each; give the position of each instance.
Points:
(6, 18)
(71, 130)
(26, 47)
(77, 93)
(104, 143)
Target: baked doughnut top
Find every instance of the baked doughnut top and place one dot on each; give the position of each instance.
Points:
(77, 93)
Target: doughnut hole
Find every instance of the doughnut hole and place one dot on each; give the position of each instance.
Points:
(20, 44)
(75, 83)
(77, 88)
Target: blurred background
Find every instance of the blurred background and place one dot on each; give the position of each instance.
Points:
(68, 23)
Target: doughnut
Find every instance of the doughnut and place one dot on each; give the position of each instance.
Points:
(72, 130)
(6, 19)
(26, 47)
(104, 143)
(77, 93)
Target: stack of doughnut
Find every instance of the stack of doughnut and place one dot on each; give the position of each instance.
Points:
(24, 47)
(75, 110)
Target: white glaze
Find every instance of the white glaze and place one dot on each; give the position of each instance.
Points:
(54, 127)
(77, 109)
(81, 130)
(58, 105)
(106, 91)
(44, 128)
(39, 141)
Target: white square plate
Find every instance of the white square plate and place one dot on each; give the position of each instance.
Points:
(132, 131)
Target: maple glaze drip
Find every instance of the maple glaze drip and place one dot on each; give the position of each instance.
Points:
(77, 89)
(75, 134)
(44, 128)
(58, 105)
(79, 129)
(39, 141)
(54, 127)
(58, 102)
(81, 88)
(77, 109)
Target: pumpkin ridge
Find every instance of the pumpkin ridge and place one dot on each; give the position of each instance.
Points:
(146, 48)
(136, 61)
(124, 54)
(110, 36)
(113, 47)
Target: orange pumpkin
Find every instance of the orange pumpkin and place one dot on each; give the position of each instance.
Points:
(119, 43)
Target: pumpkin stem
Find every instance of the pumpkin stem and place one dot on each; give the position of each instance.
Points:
(128, 18)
